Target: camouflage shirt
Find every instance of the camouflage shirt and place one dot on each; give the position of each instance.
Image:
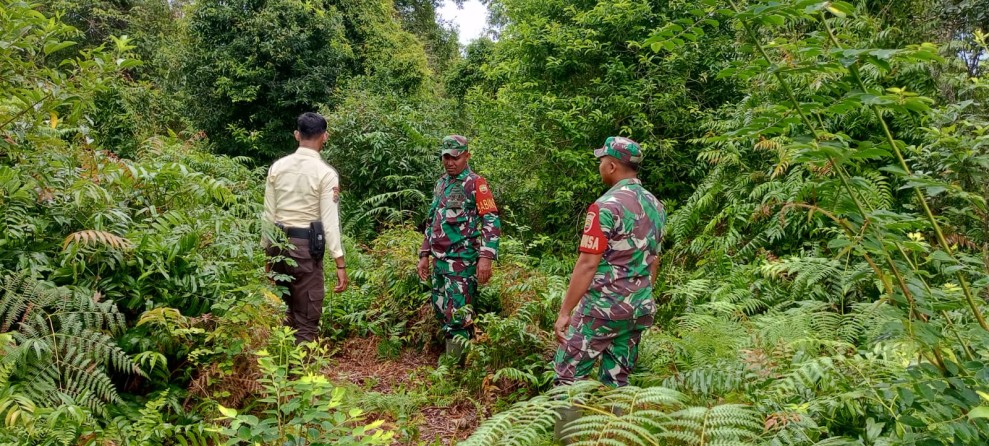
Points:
(462, 222)
(625, 225)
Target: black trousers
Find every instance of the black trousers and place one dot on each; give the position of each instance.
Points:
(306, 289)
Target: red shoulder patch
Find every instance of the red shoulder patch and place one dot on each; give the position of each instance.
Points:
(593, 240)
(484, 198)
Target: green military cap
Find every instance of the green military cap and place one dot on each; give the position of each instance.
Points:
(453, 145)
(622, 148)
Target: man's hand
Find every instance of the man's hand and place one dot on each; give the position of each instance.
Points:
(560, 327)
(423, 268)
(341, 281)
(580, 281)
(483, 270)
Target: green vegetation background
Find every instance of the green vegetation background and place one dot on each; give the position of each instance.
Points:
(824, 279)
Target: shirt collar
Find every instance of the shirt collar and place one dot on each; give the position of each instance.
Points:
(307, 152)
(625, 183)
(463, 174)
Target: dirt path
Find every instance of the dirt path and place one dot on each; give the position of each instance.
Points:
(357, 362)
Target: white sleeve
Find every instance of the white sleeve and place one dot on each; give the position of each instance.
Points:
(329, 213)
(269, 205)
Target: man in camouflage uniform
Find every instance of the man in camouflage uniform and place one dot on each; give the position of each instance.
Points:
(461, 237)
(612, 282)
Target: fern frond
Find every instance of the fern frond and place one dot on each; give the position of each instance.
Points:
(626, 415)
(723, 424)
(515, 374)
(713, 380)
(63, 347)
(91, 237)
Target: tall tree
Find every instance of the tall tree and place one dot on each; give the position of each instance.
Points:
(252, 66)
(391, 58)
(439, 39)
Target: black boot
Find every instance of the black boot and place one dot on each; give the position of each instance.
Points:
(455, 347)
(456, 343)
(567, 415)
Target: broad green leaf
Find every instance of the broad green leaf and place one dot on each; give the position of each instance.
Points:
(227, 412)
(773, 19)
(978, 412)
(837, 12)
(55, 46)
(845, 8)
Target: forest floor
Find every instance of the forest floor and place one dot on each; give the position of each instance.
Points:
(402, 392)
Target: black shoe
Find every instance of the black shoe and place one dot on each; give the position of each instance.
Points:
(568, 415)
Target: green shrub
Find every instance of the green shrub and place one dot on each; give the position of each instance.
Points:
(297, 405)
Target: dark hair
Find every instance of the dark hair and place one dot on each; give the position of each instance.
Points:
(311, 125)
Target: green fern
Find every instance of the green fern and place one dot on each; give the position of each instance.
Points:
(620, 416)
(528, 421)
(62, 346)
(624, 416)
(150, 425)
(727, 424)
(710, 381)
(396, 206)
(527, 377)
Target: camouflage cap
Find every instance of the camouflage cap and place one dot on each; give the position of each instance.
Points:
(622, 148)
(453, 145)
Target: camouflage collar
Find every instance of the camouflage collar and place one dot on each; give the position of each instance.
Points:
(624, 183)
(462, 176)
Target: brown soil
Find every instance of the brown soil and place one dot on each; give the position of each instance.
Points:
(357, 362)
(448, 424)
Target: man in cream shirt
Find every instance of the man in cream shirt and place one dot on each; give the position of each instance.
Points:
(301, 192)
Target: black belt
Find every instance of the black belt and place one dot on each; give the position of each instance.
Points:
(297, 232)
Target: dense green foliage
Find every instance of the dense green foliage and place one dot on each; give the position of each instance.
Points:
(564, 76)
(252, 66)
(388, 145)
(825, 273)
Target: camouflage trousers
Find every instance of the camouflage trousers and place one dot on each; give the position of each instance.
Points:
(454, 288)
(615, 342)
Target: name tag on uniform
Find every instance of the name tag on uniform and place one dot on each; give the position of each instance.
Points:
(456, 198)
(485, 200)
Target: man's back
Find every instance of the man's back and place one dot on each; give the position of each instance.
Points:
(638, 227)
(296, 183)
(630, 221)
(608, 304)
(300, 196)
